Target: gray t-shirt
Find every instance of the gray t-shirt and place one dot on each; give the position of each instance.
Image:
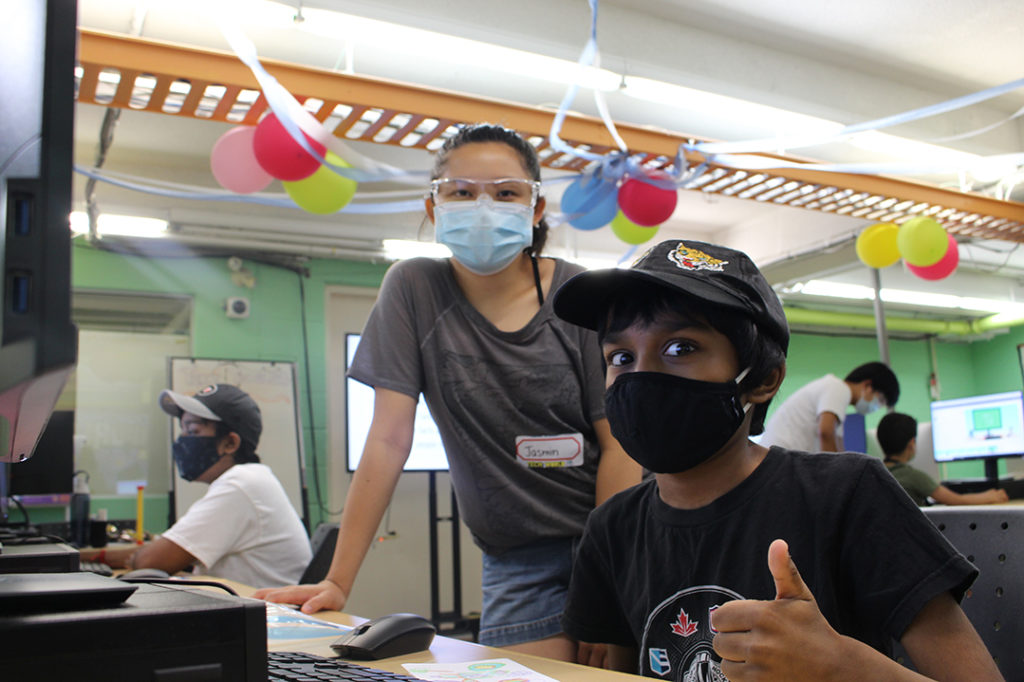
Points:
(499, 399)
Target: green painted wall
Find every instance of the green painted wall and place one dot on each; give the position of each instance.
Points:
(964, 369)
(285, 302)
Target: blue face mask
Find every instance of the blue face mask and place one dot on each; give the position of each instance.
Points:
(194, 455)
(867, 406)
(484, 235)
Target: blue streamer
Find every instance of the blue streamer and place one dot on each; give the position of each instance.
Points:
(769, 144)
(280, 201)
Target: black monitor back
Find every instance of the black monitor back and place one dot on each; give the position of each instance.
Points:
(38, 342)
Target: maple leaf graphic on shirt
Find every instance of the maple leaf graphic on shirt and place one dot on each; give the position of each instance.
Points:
(684, 627)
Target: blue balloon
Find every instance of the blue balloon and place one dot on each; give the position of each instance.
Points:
(592, 203)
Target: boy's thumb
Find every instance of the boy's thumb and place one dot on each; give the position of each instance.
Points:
(788, 583)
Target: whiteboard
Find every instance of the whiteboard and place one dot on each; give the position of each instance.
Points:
(272, 386)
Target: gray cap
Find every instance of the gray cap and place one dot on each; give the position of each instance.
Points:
(219, 403)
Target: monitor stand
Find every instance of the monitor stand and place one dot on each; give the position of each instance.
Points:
(992, 470)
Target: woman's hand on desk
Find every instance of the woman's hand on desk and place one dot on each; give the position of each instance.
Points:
(324, 596)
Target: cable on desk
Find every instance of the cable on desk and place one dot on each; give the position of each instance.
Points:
(180, 581)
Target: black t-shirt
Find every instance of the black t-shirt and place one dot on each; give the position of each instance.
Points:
(648, 575)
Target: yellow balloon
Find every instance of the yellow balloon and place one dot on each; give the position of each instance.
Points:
(631, 233)
(324, 191)
(922, 241)
(877, 247)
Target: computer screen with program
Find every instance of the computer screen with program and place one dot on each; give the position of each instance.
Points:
(38, 342)
(427, 452)
(987, 427)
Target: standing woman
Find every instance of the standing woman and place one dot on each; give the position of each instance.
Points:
(516, 393)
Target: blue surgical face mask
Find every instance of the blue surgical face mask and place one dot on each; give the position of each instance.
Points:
(194, 455)
(867, 406)
(484, 235)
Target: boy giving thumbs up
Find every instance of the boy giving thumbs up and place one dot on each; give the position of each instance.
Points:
(671, 574)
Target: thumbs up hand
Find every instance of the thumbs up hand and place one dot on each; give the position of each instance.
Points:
(785, 639)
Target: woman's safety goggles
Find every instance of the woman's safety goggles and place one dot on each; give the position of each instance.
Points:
(514, 190)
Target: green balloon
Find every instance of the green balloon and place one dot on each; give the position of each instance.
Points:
(324, 191)
(922, 241)
(631, 233)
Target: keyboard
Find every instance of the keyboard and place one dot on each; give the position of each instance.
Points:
(294, 666)
(95, 567)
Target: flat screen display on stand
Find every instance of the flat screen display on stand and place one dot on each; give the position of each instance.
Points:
(427, 452)
(987, 427)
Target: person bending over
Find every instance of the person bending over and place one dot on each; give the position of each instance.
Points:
(517, 395)
(812, 418)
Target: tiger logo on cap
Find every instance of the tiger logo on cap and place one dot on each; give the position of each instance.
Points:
(693, 259)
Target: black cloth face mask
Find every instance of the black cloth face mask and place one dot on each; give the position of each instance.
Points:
(668, 423)
(194, 455)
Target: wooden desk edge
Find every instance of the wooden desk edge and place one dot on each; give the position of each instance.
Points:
(442, 650)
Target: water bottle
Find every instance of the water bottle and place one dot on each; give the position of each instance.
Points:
(80, 510)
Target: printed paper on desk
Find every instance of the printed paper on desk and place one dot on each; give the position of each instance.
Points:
(562, 450)
(491, 670)
(285, 622)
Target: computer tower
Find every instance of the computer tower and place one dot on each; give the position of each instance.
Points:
(161, 632)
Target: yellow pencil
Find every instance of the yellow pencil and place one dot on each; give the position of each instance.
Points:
(139, 533)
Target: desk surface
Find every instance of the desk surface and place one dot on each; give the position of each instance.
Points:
(442, 650)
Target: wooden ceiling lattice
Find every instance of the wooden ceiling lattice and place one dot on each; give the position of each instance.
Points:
(147, 75)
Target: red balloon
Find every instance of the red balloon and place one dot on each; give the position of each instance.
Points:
(280, 155)
(646, 204)
(943, 268)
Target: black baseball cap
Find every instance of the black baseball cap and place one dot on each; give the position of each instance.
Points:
(722, 276)
(219, 403)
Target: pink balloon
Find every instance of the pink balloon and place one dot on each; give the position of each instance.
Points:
(280, 155)
(234, 164)
(943, 268)
(646, 204)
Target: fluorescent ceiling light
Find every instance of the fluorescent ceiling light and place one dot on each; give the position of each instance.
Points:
(596, 262)
(923, 152)
(782, 121)
(400, 249)
(418, 42)
(826, 289)
(119, 225)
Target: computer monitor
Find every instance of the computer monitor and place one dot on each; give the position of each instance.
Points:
(427, 452)
(987, 427)
(48, 477)
(38, 342)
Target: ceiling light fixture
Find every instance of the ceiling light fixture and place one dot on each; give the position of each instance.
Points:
(418, 42)
(400, 249)
(108, 225)
(826, 289)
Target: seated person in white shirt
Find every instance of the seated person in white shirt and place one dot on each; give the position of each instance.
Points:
(244, 528)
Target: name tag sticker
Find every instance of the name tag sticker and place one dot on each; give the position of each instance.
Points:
(564, 450)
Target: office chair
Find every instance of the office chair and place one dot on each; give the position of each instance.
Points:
(322, 542)
(992, 538)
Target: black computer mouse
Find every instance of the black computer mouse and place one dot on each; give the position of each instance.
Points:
(387, 636)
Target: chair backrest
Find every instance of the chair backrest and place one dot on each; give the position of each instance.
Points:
(992, 538)
(322, 542)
